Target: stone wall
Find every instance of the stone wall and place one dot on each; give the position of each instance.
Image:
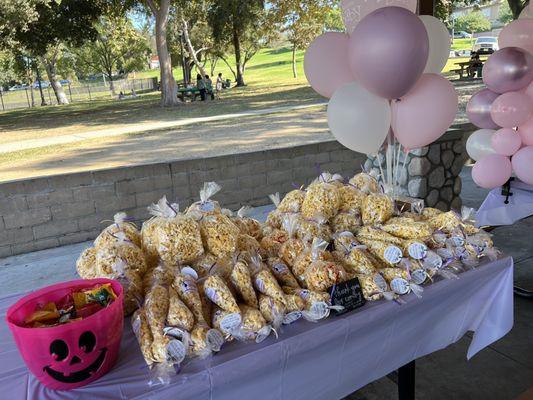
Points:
(432, 172)
(41, 213)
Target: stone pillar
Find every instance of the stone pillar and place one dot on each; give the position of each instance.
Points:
(432, 172)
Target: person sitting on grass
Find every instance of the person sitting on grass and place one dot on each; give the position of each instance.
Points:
(209, 87)
(200, 84)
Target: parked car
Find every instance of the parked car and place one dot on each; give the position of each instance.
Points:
(44, 84)
(64, 82)
(462, 35)
(487, 45)
(18, 87)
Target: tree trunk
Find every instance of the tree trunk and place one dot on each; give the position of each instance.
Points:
(516, 7)
(238, 57)
(169, 93)
(111, 85)
(190, 48)
(294, 72)
(43, 101)
(49, 65)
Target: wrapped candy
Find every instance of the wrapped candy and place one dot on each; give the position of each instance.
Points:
(292, 202)
(219, 234)
(242, 282)
(321, 275)
(219, 293)
(409, 229)
(376, 209)
(188, 292)
(178, 239)
(247, 225)
(385, 252)
(179, 314)
(346, 221)
(373, 233)
(108, 235)
(271, 243)
(322, 198)
(142, 332)
(86, 264)
(351, 198)
(121, 250)
(206, 205)
(267, 284)
(314, 227)
(366, 183)
(282, 273)
(292, 247)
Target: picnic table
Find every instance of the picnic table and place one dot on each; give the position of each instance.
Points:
(325, 360)
(463, 69)
(188, 92)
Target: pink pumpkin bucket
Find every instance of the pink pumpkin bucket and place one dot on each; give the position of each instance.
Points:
(70, 355)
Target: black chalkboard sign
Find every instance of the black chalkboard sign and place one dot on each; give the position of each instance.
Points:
(347, 294)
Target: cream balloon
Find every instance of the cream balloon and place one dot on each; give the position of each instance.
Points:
(439, 44)
(358, 119)
(479, 144)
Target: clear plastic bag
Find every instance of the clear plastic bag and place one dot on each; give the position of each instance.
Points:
(347, 221)
(377, 209)
(206, 205)
(242, 282)
(86, 264)
(315, 251)
(247, 225)
(266, 283)
(121, 250)
(322, 198)
(292, 202)
(365, 183)
(282, 272)
(351, 198)
(271, 243)
(179, 314)
(120, 224)
(219, 234)
(186, 287)
(321, 275)
(219, 293)
(142, 332)
(293, 246)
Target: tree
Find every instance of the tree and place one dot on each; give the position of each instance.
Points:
(473, 22)
(301, 20)
(118, 46)
(517, 6)
(505, 15)
(15, 15)
(160, 10)
(334, 20)
(241, 23)
(53, 24)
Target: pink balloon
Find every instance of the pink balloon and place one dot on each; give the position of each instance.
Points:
(353, 11)
(526, 132)
(529, 91)
(506, 142)
(388, 51)
(492, 171)
(523, 164)
(511, 109)
(518, 33)
(326, 63)
(425, 113)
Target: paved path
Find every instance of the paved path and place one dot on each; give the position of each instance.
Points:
(139, 128)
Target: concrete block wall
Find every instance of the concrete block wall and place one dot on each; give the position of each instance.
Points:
(37, 214)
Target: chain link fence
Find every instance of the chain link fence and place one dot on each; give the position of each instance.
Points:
(31, 97)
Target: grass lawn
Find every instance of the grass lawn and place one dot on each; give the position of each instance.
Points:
(462, 44)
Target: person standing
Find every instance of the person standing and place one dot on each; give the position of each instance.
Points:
(200, 85)
(220, 84)
(209, 87)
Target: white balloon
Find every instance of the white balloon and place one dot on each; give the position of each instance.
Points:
(358, 119)
(439, 44)
(479, 144)
(527, 12)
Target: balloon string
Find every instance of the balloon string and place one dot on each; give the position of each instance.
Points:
(397, 175)
(381, 168)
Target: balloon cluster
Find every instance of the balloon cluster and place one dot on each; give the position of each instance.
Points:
(383, 77)
(504, 111)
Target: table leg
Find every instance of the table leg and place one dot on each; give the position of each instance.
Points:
(406, 381)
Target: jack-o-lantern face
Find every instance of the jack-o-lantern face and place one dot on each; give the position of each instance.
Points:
(66, 357)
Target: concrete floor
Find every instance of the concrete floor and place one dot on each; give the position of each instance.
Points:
(500, 372)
